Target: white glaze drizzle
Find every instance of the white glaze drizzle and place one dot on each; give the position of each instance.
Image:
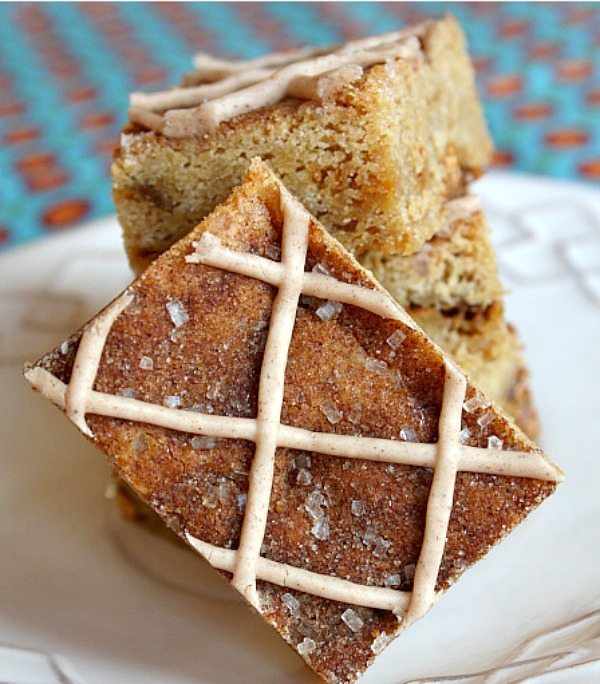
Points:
(212, 68)
(294, 243)
(211, 252)
(235, 88)
(446, 457)
(439, 504)
(528, 464)
(268, 91)
(326, 586)
(192, 96)
(87, 360)
(146, 117)
(323, 87)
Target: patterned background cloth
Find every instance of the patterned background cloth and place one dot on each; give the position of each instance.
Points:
(66, 71)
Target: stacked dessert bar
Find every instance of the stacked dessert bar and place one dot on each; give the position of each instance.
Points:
(451, 288)
(288, 420)
(379, 138)
(260, 390)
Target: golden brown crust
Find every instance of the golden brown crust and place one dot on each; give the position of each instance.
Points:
(214, 360)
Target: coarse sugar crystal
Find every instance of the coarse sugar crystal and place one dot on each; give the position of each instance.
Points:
(226, 491)
(464, 435)
(393, 580)
(320, 530)
(307, 646)
(408, 434)
(203, 442)
(291, 602)
(380, 642)
(329, 310)
(352, 620)
(302, 460)
(320, 269)
(146, 363)
(331, 412)
(494, 442)
(485, 419)
(307, 628)
(304, 477)
(380, 547)
(357, 508)
(396, 339)
(476, 402)
(177, 313)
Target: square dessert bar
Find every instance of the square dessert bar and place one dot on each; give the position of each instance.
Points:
(372, 136)
(283, 415)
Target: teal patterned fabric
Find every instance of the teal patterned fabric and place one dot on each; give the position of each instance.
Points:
(66, 70)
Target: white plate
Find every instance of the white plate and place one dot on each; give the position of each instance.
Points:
(73, 607)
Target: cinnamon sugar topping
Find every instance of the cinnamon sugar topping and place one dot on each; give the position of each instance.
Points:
(447, 457)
